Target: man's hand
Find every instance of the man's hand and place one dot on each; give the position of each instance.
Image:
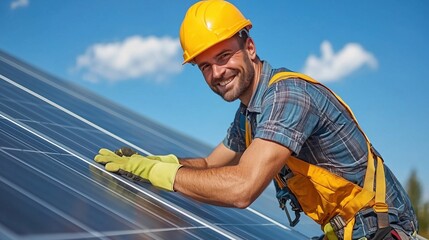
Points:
(125, 151)
(165, 158)
(128, 152)
(160, 174)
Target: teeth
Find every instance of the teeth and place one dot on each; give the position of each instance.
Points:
(225, 82)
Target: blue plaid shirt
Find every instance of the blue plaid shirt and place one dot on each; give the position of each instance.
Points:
(307, 119)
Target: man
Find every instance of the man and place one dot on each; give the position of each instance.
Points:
(288, 128)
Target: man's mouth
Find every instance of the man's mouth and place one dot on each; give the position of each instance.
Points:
(224, 83)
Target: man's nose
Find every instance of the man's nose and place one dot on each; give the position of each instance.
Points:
(218, 71)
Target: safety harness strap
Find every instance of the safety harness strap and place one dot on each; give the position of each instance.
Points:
(248, 134)
(380, 206)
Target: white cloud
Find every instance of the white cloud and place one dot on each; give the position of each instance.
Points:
(19, 3)
(331, 66)
(132, 58)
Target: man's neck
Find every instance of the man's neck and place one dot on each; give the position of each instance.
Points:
(248, 96)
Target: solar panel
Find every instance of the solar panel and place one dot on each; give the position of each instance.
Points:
(51, 188)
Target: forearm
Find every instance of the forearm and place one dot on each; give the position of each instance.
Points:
(225, 186)
(234, 185)
(197, 163)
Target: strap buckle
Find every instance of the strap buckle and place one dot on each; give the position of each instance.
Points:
(337, 223)
(284, 195)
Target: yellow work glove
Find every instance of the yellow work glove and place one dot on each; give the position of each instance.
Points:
(170, 158)
(137, 167)
(128, 152)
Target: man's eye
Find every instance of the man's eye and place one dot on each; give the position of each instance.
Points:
(204, 67)
(225, 56)
(223, 59)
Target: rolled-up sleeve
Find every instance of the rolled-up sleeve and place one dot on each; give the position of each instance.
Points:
(287, 116)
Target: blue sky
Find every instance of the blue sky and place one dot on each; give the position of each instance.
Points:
(373, 54)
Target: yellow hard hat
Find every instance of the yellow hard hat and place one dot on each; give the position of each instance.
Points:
(207, 23)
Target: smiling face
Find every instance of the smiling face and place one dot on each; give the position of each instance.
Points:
(228, 68)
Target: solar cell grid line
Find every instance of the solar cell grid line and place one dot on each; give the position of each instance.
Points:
(156, 139)
(127, 219)
(67, 131)
(149, 231)
(42, 98)
(77, 225)
(35, 73)
(77, 172)
(237, 227)
(71, 113)
(39, 113)
(71, 188)
(116, 233)
(129, 184)
(15, 140)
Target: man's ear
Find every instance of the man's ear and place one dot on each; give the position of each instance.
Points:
(251, 48)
